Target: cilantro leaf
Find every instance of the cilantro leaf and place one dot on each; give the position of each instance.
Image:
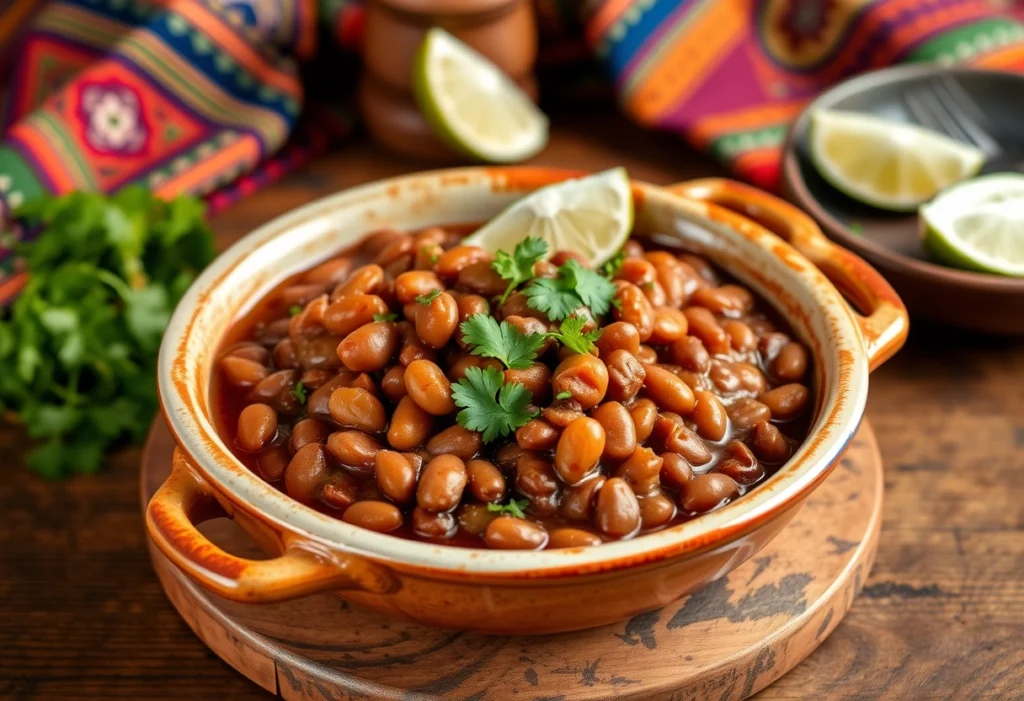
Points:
(594, 289)
(553, 297)
(502, 341)
(564, 394)
(429, 297)
(294, 310)
(518, 267)
(300, 392)
(387, 316)
(571, 335)
(475, 393)
(574, 287)
(514, 507)
(613, 265)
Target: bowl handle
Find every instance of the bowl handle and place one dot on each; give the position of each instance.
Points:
(884, 323)
(186, 499)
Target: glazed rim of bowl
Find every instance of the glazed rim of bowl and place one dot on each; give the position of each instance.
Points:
(801, 193)
(240, 277)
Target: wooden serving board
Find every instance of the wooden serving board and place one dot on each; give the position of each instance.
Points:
(727, 641)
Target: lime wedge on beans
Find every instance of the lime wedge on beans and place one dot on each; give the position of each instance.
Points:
(591, 216)
(978, 225)
(886, 164)
(472, 105)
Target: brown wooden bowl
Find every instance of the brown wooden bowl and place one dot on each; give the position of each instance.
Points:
(891, 241)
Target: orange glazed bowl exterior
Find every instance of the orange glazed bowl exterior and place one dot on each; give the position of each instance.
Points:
(501, 591)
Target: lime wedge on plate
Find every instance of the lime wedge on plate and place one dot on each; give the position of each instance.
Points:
(472, 104)
(978, 225)
(592, 216)
(889, 165)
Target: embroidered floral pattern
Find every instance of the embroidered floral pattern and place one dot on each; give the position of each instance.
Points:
(112, 113)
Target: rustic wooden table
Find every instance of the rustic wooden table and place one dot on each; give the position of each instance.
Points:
(942, 616)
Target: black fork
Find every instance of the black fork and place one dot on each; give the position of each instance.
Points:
(942, 104)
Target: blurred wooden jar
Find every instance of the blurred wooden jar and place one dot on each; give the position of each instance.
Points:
(502, 30)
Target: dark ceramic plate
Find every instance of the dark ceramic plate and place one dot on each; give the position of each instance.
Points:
(891, 242)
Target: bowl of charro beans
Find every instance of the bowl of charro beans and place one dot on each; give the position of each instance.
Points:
(422, 427)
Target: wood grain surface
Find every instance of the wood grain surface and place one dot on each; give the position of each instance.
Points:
(754, 625)
(83, 615)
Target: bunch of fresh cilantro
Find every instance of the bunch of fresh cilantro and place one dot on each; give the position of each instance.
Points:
(78, 347)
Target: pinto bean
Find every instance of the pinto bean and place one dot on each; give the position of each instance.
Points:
(348, 312)
(366, 280)
(429, 388)
(769, 444)
(707, 492)
(619, 430)
(572, 538)
(257, 425)
(485, 480)
(410, 425)
(456, 440)
(786, 402)
(396, 476)
(441, 484)
(377, 516)
(634, 308)
(433, 525)
(242, 372)
(351, 407)
(578, 500)
(625, 375)
(710, 416)
(537, 434)
(304, 473)
(644, 412)
(354, 449)
(508, 533)
(579, 449)
(370, 347)
(584, 377)
(655, 511)
(415, 283)
(436, 321)
(617, 513)
(641, 471)
(619, 335)
(667, 390)
(669, 326)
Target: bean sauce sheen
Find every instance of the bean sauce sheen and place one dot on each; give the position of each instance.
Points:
(336, 388)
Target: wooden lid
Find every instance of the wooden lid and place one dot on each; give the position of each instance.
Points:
(445, 7)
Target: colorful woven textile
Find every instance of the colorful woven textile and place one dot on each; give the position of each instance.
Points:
(202, 96)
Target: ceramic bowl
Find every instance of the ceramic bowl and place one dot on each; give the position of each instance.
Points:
(511, 592)
(892, 241)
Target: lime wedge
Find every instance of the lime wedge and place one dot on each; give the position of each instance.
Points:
(889, 165)
(591, 216)
(978, 225)
(472, 105)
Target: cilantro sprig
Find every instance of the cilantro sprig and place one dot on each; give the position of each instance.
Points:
(574, 287)
(613, 265)
(571, 335)
(79, 345)
(502, 341)
(514, 507)
(300, 392)
(489, 404)
(518, 267)
(429, 297)
(387, 316)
